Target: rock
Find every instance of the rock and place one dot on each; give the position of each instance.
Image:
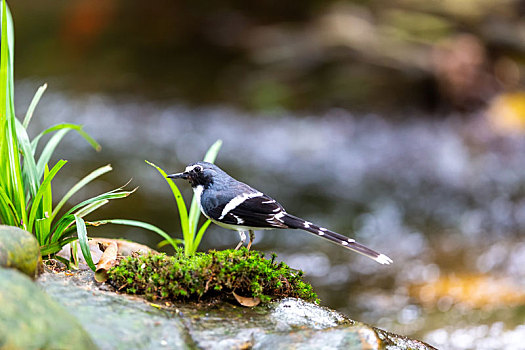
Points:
(19, 249)
(29, 319)
(118, 321)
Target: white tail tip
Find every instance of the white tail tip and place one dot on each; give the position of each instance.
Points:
(383, 259)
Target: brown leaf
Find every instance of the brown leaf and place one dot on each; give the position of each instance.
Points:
(107, 261)
(246, 301)
(98, 245)
(125, 248)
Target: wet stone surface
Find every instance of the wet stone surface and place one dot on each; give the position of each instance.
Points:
(114, 321)
(30, 319)
(117, 321)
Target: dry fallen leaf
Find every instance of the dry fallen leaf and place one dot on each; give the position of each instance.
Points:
(107, 261)
(98, 245)
(247, 301)
(125, 248)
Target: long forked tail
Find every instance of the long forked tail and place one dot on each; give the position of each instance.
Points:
(349, 243)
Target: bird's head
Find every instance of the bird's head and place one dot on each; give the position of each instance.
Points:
(200, 173)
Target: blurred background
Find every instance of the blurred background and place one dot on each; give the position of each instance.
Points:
(397, 123)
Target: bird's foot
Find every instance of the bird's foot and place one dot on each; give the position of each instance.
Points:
(252, 236)
(243, 239)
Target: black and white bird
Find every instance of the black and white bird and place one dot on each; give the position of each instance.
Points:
(237, 206)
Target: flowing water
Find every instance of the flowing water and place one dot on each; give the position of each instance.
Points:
(443, 197)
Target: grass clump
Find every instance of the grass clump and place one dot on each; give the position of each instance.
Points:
(27, 172)
(189, 219)
(212, 275)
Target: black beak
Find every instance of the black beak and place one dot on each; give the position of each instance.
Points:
(184, 176)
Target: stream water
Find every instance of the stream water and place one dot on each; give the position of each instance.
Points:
(443, 197)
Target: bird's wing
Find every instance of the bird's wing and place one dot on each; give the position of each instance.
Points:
(258, 211)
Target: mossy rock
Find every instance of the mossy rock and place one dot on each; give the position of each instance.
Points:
(30, 319)
(19, 249)
(214, 275)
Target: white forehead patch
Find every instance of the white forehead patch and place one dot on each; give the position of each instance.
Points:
(191, 167)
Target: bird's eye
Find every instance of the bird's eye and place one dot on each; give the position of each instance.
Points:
(198, 169)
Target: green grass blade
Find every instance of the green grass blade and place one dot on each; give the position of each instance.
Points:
(211, 155)
(4, 68)
(63, 126)
(29, 172)
(8, 56)
(4, 135)
(200, 233)
(47, 205)
(91, 208)
(183, 212)
(165, 242)
(11, 41)
(59, 230)
(194, 215)
(6, 214)
(64, 222)
(74, 254)
(40, 193)
(41, 228)
(108, 195)
(83, 241)
(32, 105)
(9, 214)
(3, 61)
(140, 224)
(48, 150)
(15, 170)
(11, 174)
(90, 140)
(52, 248)
(83, 182)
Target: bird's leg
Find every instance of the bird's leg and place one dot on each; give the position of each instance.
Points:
(252, 236)
(243, 239)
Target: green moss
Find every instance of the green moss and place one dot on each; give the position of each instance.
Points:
(209, 275)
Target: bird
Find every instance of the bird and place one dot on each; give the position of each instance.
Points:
(237, 206)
